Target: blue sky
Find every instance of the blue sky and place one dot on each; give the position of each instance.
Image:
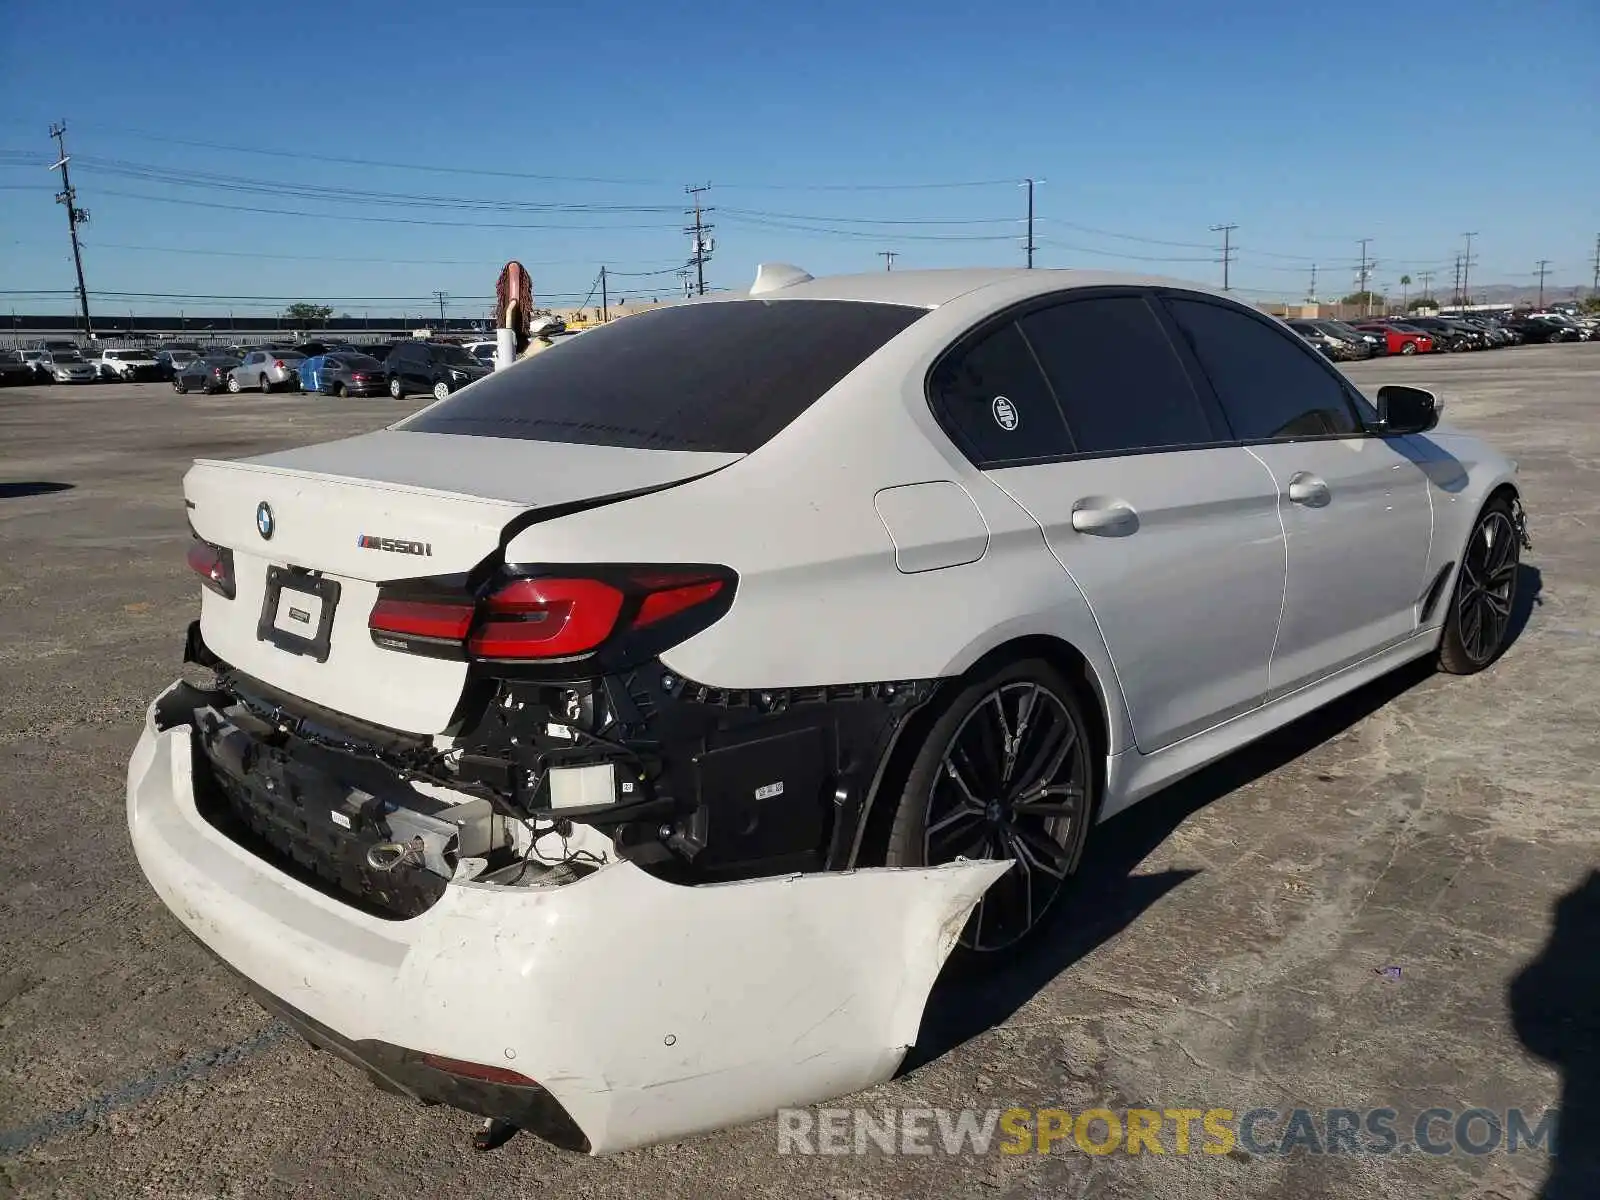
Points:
(819, 126)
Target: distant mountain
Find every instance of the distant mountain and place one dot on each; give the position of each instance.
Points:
(1513, 293)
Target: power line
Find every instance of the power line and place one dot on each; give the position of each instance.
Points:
(75, 216)
(1227, 254)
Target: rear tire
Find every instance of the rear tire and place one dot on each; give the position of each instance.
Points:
(1479, 619)
(180, 389)
(342, 392)
(1409, 348)
(266, 385)
(1005, 772)
(396, 388)
(233, 385)
(441, 390)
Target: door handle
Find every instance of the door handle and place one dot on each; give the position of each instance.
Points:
(1108, 520)
(1305, 488)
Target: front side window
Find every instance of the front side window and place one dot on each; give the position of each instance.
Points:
(1120, 383)
(1271, 385)
(993, 401)
(724, 376)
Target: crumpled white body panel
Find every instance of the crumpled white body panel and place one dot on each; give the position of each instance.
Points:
(651, 1011)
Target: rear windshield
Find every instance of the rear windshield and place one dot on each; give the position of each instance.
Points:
(360, 362)
(722, 377)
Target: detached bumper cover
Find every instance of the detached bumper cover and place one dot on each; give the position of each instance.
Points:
(648, 1011)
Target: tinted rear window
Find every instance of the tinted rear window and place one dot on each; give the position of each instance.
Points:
(714, 377)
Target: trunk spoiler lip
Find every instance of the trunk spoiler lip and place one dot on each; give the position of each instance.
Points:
(377, 485)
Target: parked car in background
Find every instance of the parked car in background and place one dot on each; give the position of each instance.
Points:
(1331, 345)
(15, 370)
(482, 351)
(1377, 345)
(266, 370)
(173, 359)
(378, 350)
(127, 366)
(1399, 338)
(437, 368)
(1446, 334)
(68, 366)
(208, 375)
(353, 375)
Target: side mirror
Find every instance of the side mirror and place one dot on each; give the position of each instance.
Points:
(1406, 410)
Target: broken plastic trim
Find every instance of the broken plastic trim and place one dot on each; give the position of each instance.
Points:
(650, 1011)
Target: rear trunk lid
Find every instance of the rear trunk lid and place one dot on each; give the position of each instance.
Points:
(383, 506)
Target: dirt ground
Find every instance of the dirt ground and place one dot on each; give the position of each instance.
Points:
(1226, 947)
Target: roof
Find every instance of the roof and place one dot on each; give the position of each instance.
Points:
(929, 289)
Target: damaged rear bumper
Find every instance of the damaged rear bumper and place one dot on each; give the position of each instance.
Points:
(644, 1010)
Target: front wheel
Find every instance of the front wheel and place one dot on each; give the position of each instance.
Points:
(266, 385)
(1477, 626)
(1409, 348)
(233, 385)
(340, 391)
(396, 388)
(441, 390)
(1006, 773)
(180, 389)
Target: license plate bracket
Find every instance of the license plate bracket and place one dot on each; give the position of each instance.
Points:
(293, 595)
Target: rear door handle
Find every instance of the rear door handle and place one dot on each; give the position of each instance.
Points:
(1305, 488)
(1107, 520)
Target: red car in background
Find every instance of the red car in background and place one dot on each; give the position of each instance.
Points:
(1402, 339)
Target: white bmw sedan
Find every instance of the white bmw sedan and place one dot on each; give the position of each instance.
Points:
(619, 746)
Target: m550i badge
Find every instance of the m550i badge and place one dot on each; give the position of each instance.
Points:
(394, 545)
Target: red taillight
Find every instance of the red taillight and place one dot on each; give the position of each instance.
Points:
(546, 618)
(278, 362)
(472, 1070)
(214, 565)
(440, 620)
(542, 618)
(672, 600)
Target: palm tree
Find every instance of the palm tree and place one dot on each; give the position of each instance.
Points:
(1405, 287)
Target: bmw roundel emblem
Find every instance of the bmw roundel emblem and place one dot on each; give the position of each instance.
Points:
(264, 522)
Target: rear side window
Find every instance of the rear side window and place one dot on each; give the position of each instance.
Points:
(1120, 384)
(993, 401)
(1271, 385)
(724, 376)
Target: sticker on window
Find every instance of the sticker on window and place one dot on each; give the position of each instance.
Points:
(1005, 413)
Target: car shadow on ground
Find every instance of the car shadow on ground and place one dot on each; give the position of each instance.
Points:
(17, 491)
(1555, 1010)
(1106, 896)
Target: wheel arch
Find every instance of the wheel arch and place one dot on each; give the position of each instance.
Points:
(877, 819)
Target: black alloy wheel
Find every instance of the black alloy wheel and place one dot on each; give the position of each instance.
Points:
(1005, 773)
(1486, 593)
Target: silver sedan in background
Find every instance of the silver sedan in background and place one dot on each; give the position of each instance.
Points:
(266, 371)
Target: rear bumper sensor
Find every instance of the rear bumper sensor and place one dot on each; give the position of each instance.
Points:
(647, 1010)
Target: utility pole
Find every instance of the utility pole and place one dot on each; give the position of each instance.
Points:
(1455, 292)
(1594, 289)
(1312, 294)
(888, 257)
(702, 245)
(1544, 269)
(1427, 278)
(441, 297)
(605, 298)
(1227, 249)
(1029, 245)
(1362, 277)
(75, 216)
(1466, 271)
